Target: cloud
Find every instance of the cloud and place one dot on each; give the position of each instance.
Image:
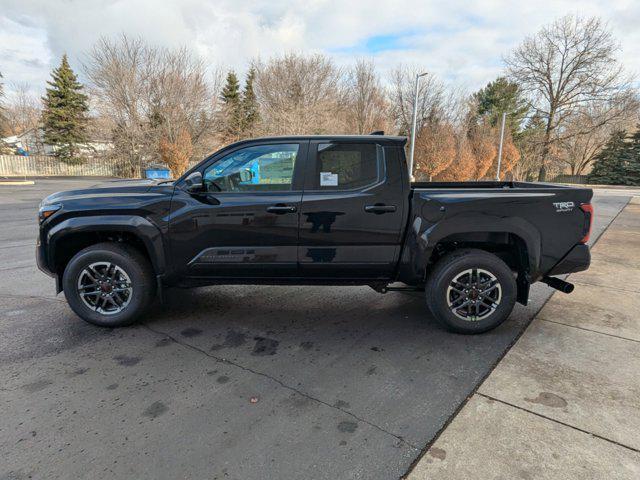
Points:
(461, 41)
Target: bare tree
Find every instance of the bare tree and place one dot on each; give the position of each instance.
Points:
(148, 94)
(585, 134)
(300, 94)
(565, 66)
(23, 111)
(432, 100)
(367, 105)
(115, 72)
(2, 108)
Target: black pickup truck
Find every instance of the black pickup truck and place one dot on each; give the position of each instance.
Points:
(313, 210)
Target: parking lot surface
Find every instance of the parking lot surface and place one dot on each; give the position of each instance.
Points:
(229, 382)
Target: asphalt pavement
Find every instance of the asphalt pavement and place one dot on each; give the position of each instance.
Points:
(232, 381)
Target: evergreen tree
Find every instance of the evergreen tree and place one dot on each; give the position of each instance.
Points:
(64, 116)
(231, 91)
(633, 167)
(249, 103)
(610, 166)
(232, 106)
(500, 96)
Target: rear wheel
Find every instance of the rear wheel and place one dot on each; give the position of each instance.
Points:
(109, 284)
(471, 291)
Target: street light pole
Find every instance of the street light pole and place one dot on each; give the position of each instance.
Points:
(413, 125)
(504, 120)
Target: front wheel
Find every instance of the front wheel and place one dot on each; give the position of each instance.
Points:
(109, 284)
(471, 291)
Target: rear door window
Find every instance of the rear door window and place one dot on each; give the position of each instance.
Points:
(347, 166)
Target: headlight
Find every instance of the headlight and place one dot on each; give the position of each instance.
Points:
(46, 211)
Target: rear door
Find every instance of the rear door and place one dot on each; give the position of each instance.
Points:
(245, 223)
(351, 214)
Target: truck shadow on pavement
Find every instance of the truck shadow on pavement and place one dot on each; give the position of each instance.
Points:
(381, 357)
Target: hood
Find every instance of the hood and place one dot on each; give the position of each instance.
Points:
(108, 189)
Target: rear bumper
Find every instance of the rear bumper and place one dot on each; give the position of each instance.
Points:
(577, 260)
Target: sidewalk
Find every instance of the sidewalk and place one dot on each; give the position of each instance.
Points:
(564, 402)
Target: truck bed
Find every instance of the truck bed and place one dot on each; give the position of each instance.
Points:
(544, 218)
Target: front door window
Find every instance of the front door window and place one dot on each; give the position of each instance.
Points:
(259, 168)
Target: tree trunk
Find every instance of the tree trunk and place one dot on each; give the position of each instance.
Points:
(542, 174)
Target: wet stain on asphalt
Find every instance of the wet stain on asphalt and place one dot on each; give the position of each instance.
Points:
(299, 401)
(222, 379)
(347, 427)
(163, 342)
(265, 346)
(438, 453)
(233, 340)
(191, 332)
(155, 410)
(37, 385)
(548, 400)
(127, 361)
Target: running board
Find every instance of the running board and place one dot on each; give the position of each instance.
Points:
(385, 288)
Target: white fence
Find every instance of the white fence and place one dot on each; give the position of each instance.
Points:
(43, 166)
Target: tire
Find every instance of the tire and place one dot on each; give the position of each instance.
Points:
(480, 306)
(117, 284)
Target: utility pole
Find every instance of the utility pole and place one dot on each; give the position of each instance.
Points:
(504, 120)
(413, 125)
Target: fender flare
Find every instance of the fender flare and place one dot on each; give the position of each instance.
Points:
(427, 235)
(134, 224)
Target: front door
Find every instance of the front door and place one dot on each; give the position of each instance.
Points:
(352, 211)
(245, 223)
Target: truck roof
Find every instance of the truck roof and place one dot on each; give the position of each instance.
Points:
(356, 138)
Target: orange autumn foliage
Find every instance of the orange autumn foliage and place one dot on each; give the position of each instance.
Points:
(510, 157)
(483, 146)
(435, 150)
(176, 154)
(462, 167)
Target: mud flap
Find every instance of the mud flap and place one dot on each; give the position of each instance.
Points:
(524, 285)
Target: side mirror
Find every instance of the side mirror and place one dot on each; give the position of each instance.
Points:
(194, 183)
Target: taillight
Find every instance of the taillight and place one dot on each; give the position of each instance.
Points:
(587, 208)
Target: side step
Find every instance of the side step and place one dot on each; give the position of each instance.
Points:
(384, 288)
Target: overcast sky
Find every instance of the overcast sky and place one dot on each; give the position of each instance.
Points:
(463, 42)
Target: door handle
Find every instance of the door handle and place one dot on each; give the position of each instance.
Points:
(379, 209)
(281, 209)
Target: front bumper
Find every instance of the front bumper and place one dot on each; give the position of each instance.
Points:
(577, 260)
(41, 259)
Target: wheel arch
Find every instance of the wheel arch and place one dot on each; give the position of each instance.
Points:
(72, 235)
(513, 239)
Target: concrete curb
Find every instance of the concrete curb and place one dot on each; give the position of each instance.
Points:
(17, 182)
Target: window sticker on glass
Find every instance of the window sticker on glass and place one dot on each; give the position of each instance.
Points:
(328, 179)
